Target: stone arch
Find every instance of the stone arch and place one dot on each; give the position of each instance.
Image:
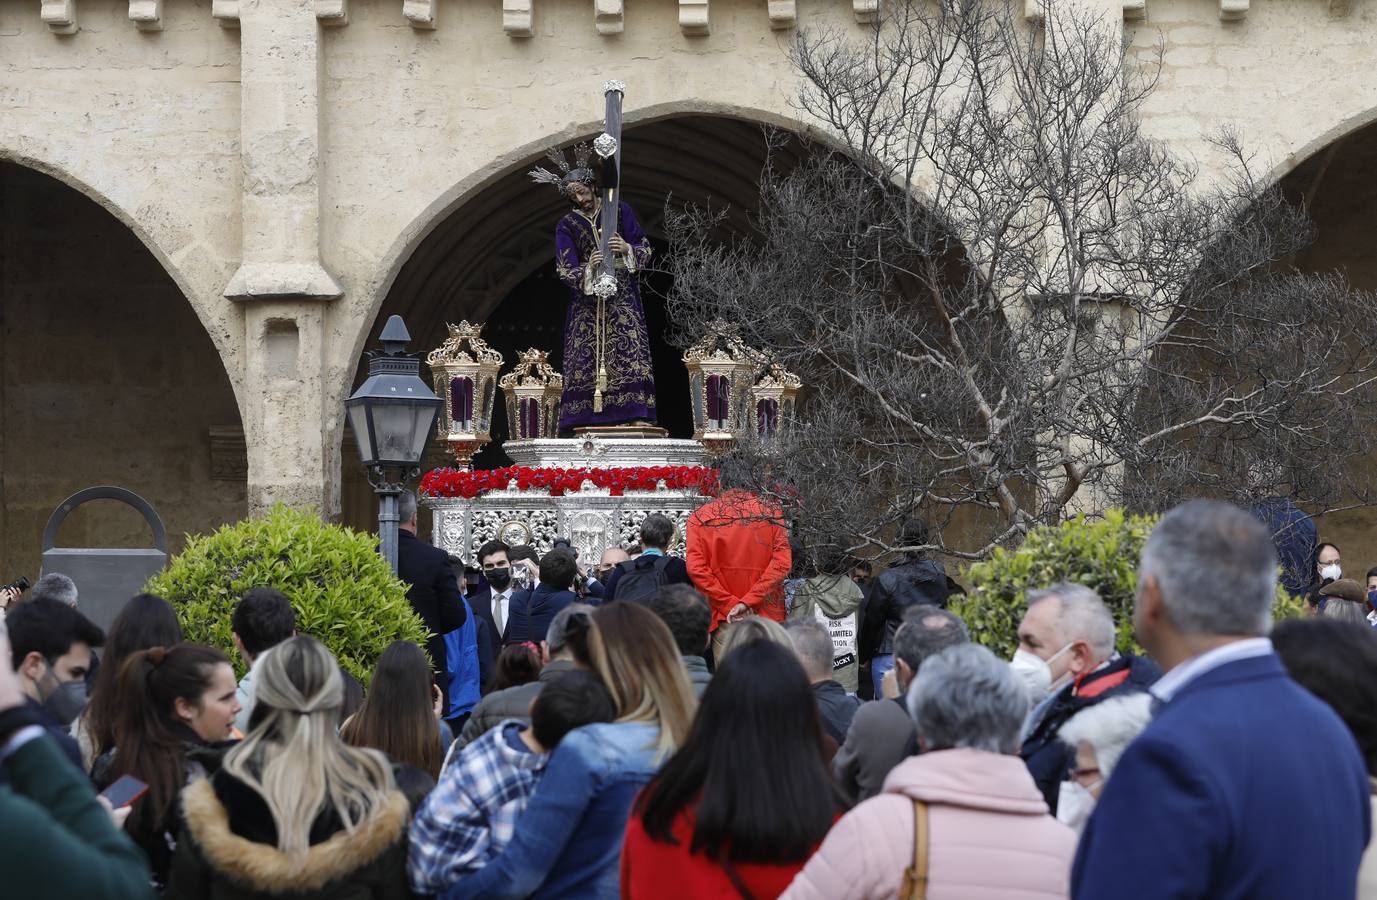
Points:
(107, 376)
(221, 338)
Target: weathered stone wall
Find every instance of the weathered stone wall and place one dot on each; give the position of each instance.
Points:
(293, 153)
(106, 377)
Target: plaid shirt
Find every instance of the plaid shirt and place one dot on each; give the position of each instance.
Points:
(469, 817)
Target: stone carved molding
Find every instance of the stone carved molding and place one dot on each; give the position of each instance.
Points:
(226, 12)
(693, 17)
(420, 14)
(332, 13)
(147, 15)
(783, 13)
(1135, 10)
(609, 16)
(1233, 10)
(59, 15)
(518, 18)
(865, 10)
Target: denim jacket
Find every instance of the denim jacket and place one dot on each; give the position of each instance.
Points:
(568, 842)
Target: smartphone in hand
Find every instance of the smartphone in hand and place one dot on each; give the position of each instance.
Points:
(124, 791)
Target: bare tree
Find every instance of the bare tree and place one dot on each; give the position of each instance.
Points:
(1011, 306)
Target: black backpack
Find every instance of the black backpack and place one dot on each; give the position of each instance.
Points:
(641, 582)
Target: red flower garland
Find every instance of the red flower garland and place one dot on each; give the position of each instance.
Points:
(459, 483)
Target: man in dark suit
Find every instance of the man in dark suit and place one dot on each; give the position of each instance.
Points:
(1245, 785)
(434, 590)
(491, 600)
(532, 610)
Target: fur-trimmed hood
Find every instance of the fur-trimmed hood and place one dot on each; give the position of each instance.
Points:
(263, 868)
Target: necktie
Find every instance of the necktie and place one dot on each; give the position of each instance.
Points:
(499, 615)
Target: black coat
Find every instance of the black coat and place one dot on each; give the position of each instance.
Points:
(676, 572)
(912, 582)
(532, 611)
(433, 592)
(228, 851)
(480, 601)
(1047, 757)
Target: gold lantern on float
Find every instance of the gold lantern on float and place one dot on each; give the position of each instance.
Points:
(533, 390)
(465, 370)
(721, 371)
(773, 398)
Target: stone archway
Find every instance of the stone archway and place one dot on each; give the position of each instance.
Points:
(1335, 185)
(107, 376)
(491, 258)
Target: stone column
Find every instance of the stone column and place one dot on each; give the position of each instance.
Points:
(280, 279)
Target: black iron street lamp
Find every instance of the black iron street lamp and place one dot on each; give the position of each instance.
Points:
(393, 414)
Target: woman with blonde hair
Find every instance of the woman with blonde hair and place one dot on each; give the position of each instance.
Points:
(568, 841)
(294, 811)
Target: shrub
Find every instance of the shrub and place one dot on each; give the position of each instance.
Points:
(1101, 554)
(343, 592)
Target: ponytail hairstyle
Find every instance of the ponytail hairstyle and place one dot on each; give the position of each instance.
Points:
(634, 654)
(148, 734)
(292, 757)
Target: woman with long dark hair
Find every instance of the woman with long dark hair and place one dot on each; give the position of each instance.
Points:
(294, 812)
(398, 715)
(748, 797)
(146, 621)
(176, 710)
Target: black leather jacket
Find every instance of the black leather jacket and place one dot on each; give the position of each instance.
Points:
(912, 582)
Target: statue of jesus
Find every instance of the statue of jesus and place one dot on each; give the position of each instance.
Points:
(607, 369)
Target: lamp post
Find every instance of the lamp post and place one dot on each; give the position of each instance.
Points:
(392, 414)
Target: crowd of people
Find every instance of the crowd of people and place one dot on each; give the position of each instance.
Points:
(738, 723)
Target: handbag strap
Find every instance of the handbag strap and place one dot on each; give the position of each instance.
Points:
(915, 884)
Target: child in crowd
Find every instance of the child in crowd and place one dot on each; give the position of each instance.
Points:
(468, 818)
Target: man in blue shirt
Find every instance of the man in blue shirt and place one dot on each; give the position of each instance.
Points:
(1244, 785)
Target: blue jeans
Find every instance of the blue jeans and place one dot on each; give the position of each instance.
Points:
(879, 665)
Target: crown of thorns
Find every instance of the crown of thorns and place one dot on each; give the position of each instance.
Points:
(579, 172)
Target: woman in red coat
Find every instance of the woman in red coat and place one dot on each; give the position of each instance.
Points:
(738, 810)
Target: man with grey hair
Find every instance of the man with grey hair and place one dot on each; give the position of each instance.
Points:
(1244, 785)
(881, 734)
(557, 650)
(987, 831)
(1066, 646)
(432, 588)
(813, 647)
(55, 586)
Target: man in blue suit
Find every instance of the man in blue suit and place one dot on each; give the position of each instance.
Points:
(1244, 785)
(532, 610)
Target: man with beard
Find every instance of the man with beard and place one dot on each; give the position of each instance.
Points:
(607, 369)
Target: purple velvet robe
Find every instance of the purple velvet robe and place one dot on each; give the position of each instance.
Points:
(630, 393)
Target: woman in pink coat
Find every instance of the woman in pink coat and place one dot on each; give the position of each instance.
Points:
(990, 836)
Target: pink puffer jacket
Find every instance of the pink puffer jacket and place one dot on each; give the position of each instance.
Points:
(990, 837)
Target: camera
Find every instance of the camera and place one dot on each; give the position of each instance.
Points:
(566, 545)
(20, 584)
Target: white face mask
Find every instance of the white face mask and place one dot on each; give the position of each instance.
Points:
(1036, 672)
(1332, 572)
(1075, 803)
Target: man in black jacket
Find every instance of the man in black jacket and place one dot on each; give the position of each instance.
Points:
(491, 600)
(912, 581)
(434, 591)
(1067, 660)
(532, 610)
(51, 652)
(813, 647)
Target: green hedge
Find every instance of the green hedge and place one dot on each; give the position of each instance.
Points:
(343, 592)
(1101, 554)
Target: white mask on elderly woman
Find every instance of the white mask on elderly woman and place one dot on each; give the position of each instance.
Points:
(1075, 803)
